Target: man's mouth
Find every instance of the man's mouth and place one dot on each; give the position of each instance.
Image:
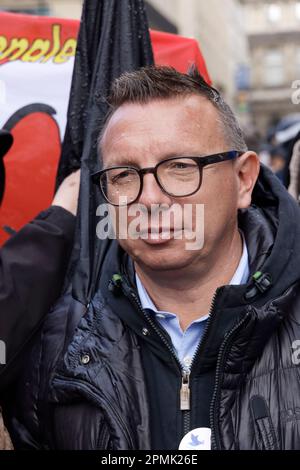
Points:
(158, 235)
(156, 231)
(160, 230)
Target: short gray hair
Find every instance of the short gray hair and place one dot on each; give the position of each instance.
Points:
(153, 82)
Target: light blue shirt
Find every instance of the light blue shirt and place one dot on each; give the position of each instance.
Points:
(186, 342)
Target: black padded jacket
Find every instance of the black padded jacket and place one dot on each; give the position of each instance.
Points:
(33, 264)
(105, 376)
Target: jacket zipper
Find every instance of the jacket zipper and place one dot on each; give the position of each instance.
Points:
(215, 433)
(185, 373)
(185, 393)
(211, 316)
(66, 383)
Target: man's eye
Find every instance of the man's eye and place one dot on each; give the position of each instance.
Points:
(123, 176)
(182, 166)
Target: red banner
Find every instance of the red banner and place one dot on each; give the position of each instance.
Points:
(36, 63)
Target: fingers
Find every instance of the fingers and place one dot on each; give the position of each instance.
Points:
(67, 193)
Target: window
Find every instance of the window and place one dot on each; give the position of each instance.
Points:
(274, 72)
(274, 13)
(35, 7)
(297, 10)
(298, 64)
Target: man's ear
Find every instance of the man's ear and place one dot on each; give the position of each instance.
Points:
(247, 168)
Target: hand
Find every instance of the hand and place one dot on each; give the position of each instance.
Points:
(5, 442)
(67, 194)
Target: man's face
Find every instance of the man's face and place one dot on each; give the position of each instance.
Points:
(142, 135)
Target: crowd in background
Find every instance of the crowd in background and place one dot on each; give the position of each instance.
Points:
(280, 151)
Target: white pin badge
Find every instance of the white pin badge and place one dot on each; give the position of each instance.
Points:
(197, 439)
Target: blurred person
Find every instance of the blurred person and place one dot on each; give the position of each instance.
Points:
(265, 154)
(32, 268)
(177, 348)
(278, 163)
(285, 140)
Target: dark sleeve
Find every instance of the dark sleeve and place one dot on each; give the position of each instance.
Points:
(32, 269)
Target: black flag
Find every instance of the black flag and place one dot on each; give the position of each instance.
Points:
(113, 38)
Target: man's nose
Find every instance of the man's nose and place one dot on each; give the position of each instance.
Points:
(152, 193)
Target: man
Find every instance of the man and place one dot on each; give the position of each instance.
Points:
(33, 264)
(294, 187)
(278, 162)
(36, 256)
(182, 346)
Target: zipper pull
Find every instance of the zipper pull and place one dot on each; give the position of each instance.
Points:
(185, 391)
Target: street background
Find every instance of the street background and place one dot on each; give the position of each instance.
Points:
(252, 51)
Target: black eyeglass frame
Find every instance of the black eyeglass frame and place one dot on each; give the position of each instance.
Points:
(201, 162)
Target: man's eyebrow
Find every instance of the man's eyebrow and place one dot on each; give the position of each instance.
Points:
(123, 161)
(131, 161)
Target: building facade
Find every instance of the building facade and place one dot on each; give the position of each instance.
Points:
(59, 8)
(219, 28)
(273, 29)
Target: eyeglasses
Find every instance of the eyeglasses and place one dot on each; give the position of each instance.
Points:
(176, 177)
